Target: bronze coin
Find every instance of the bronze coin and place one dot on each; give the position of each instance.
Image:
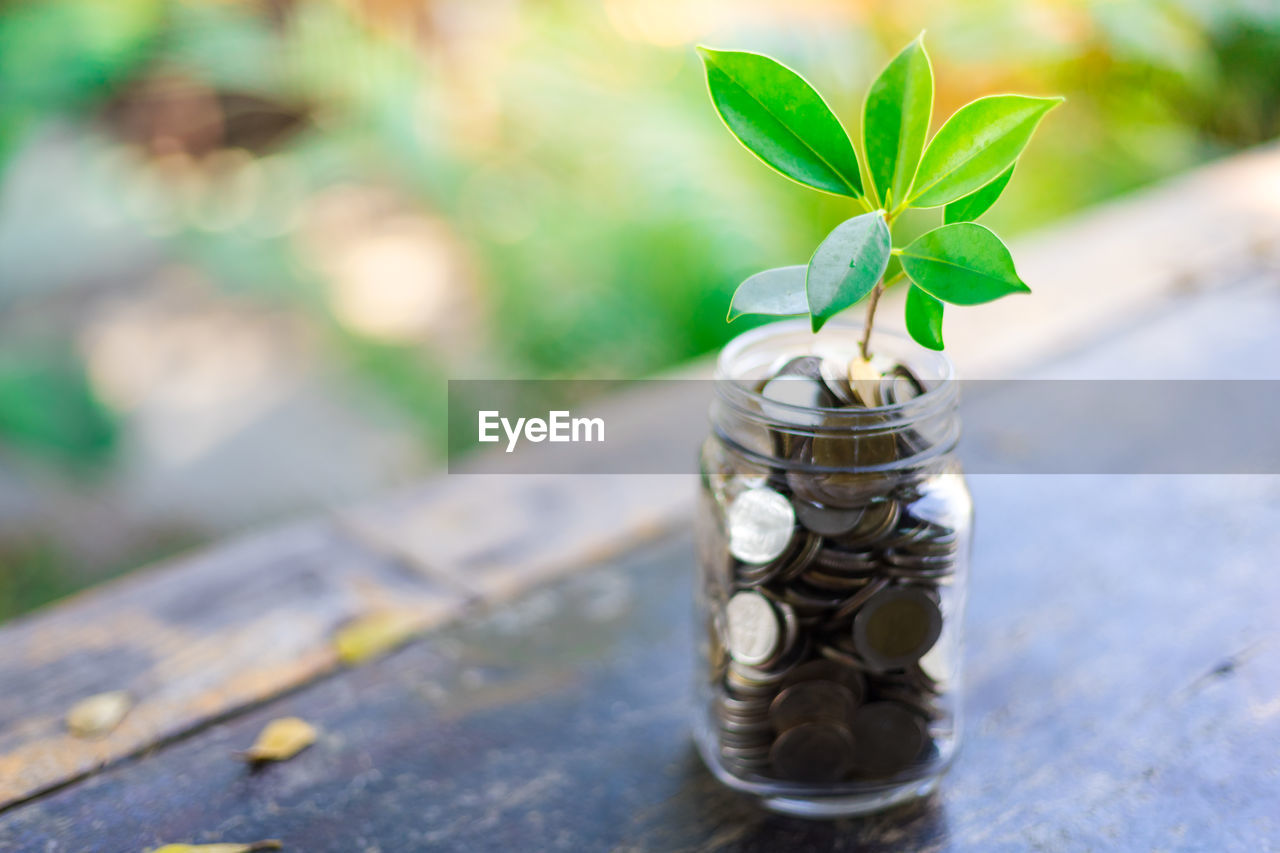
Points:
(811, 702)
(813, 753)
(896, 626)
(851, 451)
(889, 737)
(877, 523)
(823, 669)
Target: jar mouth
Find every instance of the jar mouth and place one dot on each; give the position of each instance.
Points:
(749, 357)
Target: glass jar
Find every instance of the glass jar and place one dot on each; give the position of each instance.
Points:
(833, 549)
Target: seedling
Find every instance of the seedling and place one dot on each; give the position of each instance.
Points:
(783, 120)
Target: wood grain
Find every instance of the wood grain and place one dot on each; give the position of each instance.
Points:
(190, 642)
(1123, 694)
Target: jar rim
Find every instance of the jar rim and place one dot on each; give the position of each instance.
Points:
(939, 391)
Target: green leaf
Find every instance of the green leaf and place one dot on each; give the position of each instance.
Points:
(847, 265)
(963, 263)
(978, 202)
(975, 145)
(924, 318)
(895, 121)
(778, 291)
(779, 117)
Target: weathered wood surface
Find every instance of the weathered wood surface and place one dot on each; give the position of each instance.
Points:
(189, 643)
(1124, 693)
(225, 629)
(206, 638)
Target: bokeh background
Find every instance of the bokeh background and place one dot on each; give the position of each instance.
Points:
(243, 244)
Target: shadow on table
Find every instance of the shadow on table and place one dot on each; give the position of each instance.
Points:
(704, 815)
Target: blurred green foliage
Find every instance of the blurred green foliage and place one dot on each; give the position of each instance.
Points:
(64, 55)
(606, 215)
(598, 217)
(48, 408)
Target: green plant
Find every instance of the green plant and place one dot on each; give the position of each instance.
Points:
(782, 119)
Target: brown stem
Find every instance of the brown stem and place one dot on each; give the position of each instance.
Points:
(871, 317)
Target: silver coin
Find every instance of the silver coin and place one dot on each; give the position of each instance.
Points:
(808, 366)
(827, 521)
(754, 628)
(900, 386)
(791, 399)
(761, 524)
(748, 682)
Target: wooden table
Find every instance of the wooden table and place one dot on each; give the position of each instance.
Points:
(1123, 657)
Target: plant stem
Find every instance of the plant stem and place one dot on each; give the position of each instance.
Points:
(871, 316)
(872, 302)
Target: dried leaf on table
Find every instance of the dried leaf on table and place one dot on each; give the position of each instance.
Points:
(98, 715)
(375, 634)
(270, 844)
(281, 740)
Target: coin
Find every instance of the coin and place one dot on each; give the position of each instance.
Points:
(789, 565)
(794, 394)
(889, 737)
(810, 601)
(751, 681)
(760, 523)
(811, 701)
(827, 521)
(900, 386)
(878, 520)
(836, 377)
(838, 655)
(856, 601)
(823, 669)
(754, 628)
(842, 454)
(896, 626)
(843, 451)
(814, 753)
(791, 636)
(846, 561)
(865, 379)
(808, 366)
(796, 387)
(845, 585)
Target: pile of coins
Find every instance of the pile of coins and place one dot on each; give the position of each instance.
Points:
(834, 593)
